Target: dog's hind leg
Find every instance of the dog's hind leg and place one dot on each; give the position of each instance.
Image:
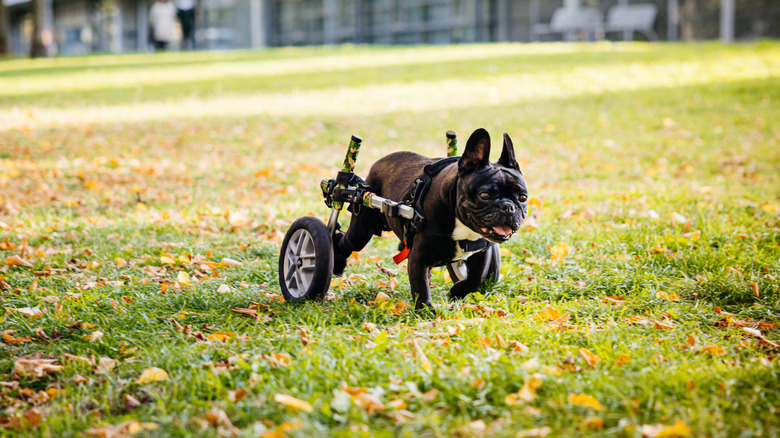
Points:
(361, 228)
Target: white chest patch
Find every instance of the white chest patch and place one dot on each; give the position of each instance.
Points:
(462, 232)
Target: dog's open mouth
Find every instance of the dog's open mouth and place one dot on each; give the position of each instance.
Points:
(499, 233)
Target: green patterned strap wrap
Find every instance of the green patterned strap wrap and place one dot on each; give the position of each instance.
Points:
(352, 153)
(349, 163)
(452, 144)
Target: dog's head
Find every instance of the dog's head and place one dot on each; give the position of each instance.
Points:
(492, 198)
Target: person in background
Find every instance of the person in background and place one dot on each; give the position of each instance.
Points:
(162, 18)
(186, 16)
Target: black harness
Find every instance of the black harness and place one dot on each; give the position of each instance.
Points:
(420, 187)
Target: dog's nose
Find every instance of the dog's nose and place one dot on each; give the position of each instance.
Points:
(508, 208)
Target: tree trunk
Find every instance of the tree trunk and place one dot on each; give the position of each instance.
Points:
(38, 45)
(5, 43)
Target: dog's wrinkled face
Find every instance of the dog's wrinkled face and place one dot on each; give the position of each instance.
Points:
(492, 198)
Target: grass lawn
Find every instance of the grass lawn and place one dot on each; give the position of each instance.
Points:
(143, 199)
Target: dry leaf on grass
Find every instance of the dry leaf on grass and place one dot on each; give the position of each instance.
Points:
(152, 374)
(293, 402)
(29, 419)
(592, 423)
(621, 360)
(677, 430)
(229, 262)
(585, 401)
(8, 338)
(34, 367)
(589, 358)
(549, 313)
(539, 432)
(219, 419)
(527, 392)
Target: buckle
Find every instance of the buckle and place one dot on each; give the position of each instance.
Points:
(417, 185)
(389, 208)
(418, 223)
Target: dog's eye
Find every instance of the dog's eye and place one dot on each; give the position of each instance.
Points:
(523, 198)
(484, 196)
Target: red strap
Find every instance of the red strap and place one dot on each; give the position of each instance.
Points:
(401, 256)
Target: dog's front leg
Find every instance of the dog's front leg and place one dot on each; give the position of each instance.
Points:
(420, 280)
(475, 277)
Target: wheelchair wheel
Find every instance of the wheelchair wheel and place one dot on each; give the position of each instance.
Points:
(491, 271)
(306, 260)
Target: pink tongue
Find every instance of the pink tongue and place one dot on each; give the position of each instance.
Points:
(502, 230)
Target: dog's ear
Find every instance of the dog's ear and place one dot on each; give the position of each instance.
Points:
(477, 153)
(507, 158)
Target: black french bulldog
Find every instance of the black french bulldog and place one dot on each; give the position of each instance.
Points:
(468, 200)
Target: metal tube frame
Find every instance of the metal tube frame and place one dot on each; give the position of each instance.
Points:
(355, 194)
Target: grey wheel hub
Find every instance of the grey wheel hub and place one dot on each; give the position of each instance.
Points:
(461, 271)
(299, 263)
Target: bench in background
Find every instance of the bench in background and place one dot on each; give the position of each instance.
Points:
(632, 18)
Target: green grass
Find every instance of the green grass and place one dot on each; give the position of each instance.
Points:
(657, 166)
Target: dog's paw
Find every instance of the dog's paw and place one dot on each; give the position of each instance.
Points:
(425, 309)
(459, 290)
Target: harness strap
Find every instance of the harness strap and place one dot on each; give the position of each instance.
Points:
(420, 187)
(473, 245)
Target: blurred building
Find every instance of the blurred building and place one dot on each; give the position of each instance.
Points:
(85, 26)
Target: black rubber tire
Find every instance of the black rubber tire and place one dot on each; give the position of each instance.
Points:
(307, 277)
(494, 263)
(490, 271)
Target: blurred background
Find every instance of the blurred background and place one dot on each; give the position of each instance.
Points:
(75, 27)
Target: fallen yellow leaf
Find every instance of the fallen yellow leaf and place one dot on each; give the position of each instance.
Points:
(661, 326)
(35, 367)
(713, 350)
(527, 392)
(769, 208)
(282, 429)
(677, 430)
(754, 288)
(369, 402)
(560, 251)
(18, 261)
(622, 360)
(590, 358)
(585, 401)
(293, 402)
(670, 297)
(592, 423)
(152, 374)
(539, 432)
(221, 336)
(229, 262)
(31, 312)
(94, 336)
(183, 278)
(548, 313)
(398, 307)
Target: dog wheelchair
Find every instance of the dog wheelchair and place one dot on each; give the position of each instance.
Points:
(306, 256)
